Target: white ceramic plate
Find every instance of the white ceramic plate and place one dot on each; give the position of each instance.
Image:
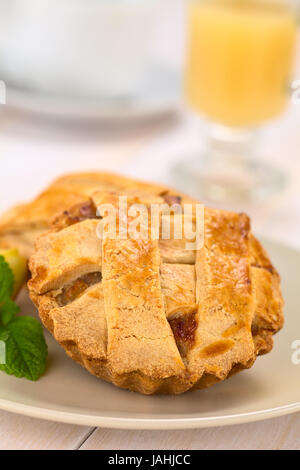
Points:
(68, 393)
(158, 100)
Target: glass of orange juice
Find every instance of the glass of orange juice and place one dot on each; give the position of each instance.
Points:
(239, 65)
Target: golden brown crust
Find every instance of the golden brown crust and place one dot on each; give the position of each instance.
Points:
(21, 225)
(159, 320)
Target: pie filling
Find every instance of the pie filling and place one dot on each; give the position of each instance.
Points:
(171, 199)
(88, 210)
(79, 213)
(184, 330)
(73, 290)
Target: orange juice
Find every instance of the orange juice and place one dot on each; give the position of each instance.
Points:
(240, 57)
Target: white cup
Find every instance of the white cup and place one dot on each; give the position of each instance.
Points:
(76, 48)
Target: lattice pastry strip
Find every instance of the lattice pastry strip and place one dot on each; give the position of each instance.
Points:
(66, 255)
(223, 337)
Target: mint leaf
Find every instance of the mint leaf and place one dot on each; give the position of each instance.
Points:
(8, 311)
(26, 349)
(25, 346)
(6, 280)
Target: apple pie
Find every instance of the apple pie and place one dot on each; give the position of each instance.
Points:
(150, 315)
(20, 226)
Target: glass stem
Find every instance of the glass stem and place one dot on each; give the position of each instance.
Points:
(229, 147)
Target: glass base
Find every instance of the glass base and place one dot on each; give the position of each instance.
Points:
(251, 182)
(228, 171)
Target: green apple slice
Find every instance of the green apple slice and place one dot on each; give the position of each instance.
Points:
(18, 265)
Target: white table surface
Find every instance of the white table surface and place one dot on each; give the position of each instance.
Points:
(32, 152)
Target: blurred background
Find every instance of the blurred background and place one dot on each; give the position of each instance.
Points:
(200, 94)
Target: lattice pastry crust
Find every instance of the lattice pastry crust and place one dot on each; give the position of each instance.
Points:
(22, 224)
(148, 315)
